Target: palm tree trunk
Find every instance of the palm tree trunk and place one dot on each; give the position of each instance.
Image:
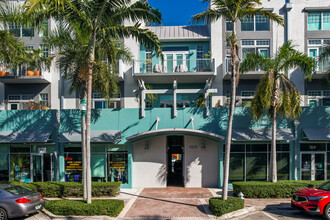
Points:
(83, 142)
(88, 116)
(230, 116)
(273, 170)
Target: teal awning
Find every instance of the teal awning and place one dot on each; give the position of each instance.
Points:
(265, 134)
(317, 134)
(109, 136)
(25, 136)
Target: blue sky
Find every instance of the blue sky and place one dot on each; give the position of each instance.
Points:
(178, 12)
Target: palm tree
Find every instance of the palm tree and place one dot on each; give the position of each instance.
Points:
(232, 11)
(275, 93)
(325, 58)
(106, 18)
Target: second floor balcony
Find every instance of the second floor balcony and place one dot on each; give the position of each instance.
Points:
(183, 70)
(21, 76)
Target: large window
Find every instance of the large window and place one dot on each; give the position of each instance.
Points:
(100, 102)
(20, 163)
(249, 162)
(20, 31)
(318, 21)
(318, 98)
(315, 47)
(255, 23)
(255, 46)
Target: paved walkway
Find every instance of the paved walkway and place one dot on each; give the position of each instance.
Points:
(170, 202)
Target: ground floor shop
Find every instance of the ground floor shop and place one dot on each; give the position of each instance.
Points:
(160, 150)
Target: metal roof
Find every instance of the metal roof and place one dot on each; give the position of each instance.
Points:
(197, 32)
(168, 131)
(317, 134)
(96, 136)
(261, 134)
(25, 136)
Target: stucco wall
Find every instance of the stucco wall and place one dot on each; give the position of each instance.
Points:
(149, 166)
(200, 164)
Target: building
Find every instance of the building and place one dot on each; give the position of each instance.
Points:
(153, 134)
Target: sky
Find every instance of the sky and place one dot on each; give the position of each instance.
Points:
(178, 12)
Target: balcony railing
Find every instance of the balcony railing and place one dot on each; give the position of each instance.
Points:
(321, 66)
(173, 66)
(18, 72)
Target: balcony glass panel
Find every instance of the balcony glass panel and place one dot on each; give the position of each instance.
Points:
(170, 65)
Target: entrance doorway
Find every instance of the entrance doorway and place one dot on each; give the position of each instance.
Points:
(175, 161)
(41, 167)
(313, 166)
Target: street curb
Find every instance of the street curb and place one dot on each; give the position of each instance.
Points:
(238, 213)
(62, 217)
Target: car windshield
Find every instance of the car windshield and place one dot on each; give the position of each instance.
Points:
(324, 186)
(17, 190)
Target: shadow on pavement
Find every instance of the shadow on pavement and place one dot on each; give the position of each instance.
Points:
(285, 210)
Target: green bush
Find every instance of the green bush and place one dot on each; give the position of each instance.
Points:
(281, 189)
(71, 189)
(220, 207)
(109, 207)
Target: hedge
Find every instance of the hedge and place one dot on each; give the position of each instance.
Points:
(71, 189)
(280, 189)
(109, 207)
(220, 207)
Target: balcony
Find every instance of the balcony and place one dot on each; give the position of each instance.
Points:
(184, 71)
(253, 74)
(21, 75)
(320, 69)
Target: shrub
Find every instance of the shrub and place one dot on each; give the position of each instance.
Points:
(220, 207)
(281, 189)
(71, 189)
(74, 207)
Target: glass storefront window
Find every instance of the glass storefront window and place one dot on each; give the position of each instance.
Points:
(20, 167)
(73, 167)
(118, 167)
(4, 169)
(236, 167)
(252, 163)
(256, 166)
(19, 149)
(313, 147)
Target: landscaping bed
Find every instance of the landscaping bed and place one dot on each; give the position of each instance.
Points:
(71, 189)
(220, 207)
(281, 189)
(109, 207)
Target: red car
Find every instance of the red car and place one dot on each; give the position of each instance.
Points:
(313, 200)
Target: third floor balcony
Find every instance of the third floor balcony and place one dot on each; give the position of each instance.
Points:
(165, 71)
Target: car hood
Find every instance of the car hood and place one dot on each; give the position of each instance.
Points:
(312, 192)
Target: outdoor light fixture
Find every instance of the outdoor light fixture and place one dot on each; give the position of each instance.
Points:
(203, 144)
(83, 106)
(146, 147)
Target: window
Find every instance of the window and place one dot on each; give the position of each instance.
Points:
(200, 51)
(315, 47)
(148, 61)
(44, 99)
(44, 48)
(20, 97)
(255, 23)
(100, 102)
(29, 48)
(43, 32)
(229, 25)
(247, 97)
(318, 98)
(256, 46)
(318, 21)
(20, 31)
(252, 162)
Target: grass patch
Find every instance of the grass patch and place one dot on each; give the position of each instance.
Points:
(281, 189)
(109, 207)
(220, 207)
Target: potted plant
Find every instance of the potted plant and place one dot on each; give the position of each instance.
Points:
(37, 61)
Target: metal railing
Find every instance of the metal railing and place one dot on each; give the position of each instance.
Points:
(172, 66)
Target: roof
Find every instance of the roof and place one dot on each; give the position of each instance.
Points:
(168, 131)
(96, 136)
(317, 134)
(261, 134)
(197, 32)
(25, 136)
